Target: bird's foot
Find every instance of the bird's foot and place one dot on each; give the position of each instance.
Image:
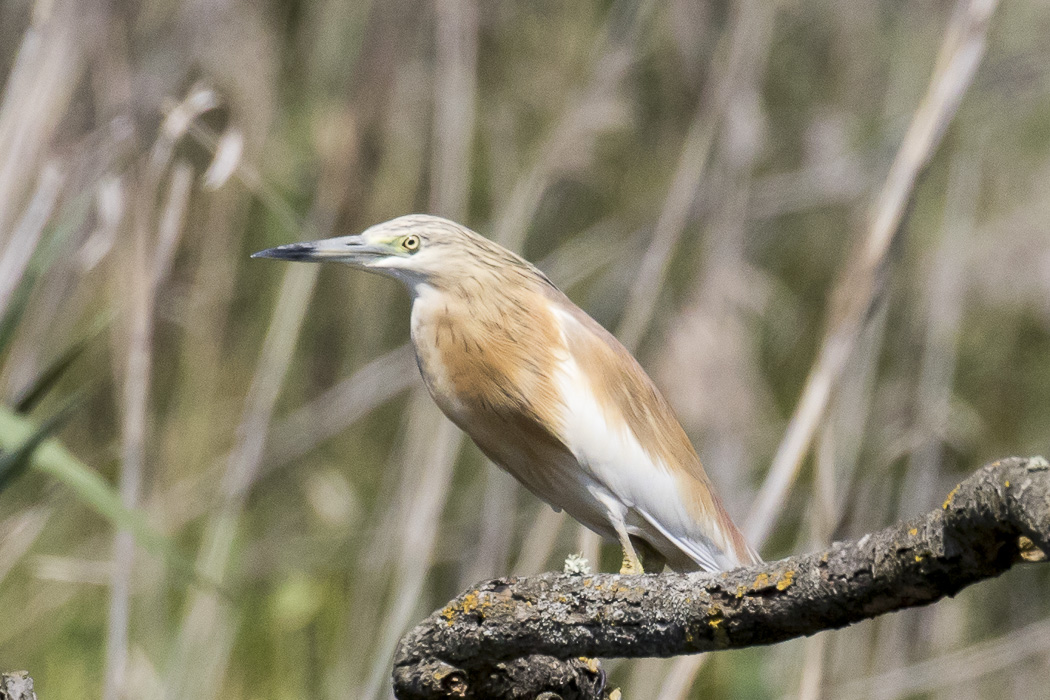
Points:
(630, 565)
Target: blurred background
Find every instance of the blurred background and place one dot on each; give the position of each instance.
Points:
(693, 174)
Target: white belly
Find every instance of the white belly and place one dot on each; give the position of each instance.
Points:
(631, 485)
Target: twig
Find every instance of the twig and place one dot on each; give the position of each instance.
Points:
(464, 648)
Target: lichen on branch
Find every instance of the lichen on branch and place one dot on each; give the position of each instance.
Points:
(505, 637)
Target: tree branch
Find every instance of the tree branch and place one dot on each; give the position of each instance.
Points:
(504, 638)
(16, 685)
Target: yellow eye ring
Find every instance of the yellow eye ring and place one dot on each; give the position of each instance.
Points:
(411, 243)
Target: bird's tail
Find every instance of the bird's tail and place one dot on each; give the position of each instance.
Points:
(738, 551)
(714, 559)
(718, 545)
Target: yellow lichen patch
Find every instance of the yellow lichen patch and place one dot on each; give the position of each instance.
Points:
(761, 581)
(740, 591)
(786, 580)
(918, 558)
(591, 664)
(951, 495)
(913, 532)
(1006, 483)
(472, 602)
(715, 620)
(1028, 550)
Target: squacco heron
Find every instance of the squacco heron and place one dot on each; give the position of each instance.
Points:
(546, 392)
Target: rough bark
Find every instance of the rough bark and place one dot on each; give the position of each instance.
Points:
(504, 638)
(16, 685)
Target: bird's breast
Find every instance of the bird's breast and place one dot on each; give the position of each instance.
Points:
(488, 363)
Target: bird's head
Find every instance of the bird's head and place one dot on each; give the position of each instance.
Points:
(417, 248)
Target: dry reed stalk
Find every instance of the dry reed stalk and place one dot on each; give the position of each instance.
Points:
(90, 572)
(965, 665)
(815, 655)
(208, 624)
(922, 482)
(146, 268)
(373, 575)
(591, 111)
(821, 524)
(944, 295)
(538, 542)
(339, 407)
(26, 234)
(37, 92)
(455, 91)
(740, 64)
(434, 443)
(437, 443)
(741, 49)
(455, 113)
(18, 532)
(856, 292)
(840, 179)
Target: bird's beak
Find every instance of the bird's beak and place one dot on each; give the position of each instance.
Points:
(355, 250)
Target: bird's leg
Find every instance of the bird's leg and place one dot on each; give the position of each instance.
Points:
(631, 563)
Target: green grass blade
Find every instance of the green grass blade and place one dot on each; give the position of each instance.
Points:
(51, 458)
(14, 463)
(29, 397)
(72, 217)
(15, 310)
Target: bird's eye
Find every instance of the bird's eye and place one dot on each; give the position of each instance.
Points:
(411, 243)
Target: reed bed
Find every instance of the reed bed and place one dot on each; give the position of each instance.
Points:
(821, 226)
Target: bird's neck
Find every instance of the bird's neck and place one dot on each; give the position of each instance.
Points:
(481, 344)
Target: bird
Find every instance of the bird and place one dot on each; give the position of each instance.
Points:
(546, 392)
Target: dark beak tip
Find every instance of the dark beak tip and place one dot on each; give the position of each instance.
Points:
(291, 251)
